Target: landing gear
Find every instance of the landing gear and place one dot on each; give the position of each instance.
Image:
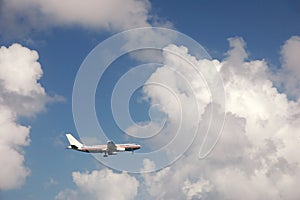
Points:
(105, 154)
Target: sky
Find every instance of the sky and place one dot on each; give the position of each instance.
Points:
(212, 96)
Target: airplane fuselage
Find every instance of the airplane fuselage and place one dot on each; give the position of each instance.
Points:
(103, 148)
(109, 149)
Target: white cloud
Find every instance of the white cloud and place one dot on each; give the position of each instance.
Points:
(24, 81)
(19, 75)
(196, 190)
(102, 184)
(256, 157)
(68, 194)
(12, 137)
(237, 53)
(20, 95)
(289, 76)
(113, 15)
(153, 181)
(290, 54)
(177, 99)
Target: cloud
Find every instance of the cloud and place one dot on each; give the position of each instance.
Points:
(19, 17)
(12, 137)
(20, 95)
(51, 182)
(256, 157)
(289, 75)
(196, 190)
(101, 184)
(176, 98)
(19, 75)
(257, 154)
(289, 54)
(237, 53)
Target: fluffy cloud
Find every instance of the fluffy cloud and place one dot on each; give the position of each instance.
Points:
(290, 54)
(256, 157)
(20, 95)
(102, 184)
(23, 16)
(289, 76)
(196, 190)
(19, 75)
(12, 137)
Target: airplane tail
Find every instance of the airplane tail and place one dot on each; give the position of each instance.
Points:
(74, 144)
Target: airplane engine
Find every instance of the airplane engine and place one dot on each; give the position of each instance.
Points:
(120, 149)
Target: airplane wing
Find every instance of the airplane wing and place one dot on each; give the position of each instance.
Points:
(111, 148)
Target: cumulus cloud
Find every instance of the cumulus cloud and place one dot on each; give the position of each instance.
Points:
(290, 54)
(101, 184)
(177, 98)
(237, 52)
(289, 76)
(12, 137)
(256, 157)
(196, 190)
(19, 75)
(20, 95)
(20, 17)
(257, 154)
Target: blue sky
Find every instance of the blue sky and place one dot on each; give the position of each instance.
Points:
(63, 43)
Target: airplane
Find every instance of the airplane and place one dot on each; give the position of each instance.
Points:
(108, 149)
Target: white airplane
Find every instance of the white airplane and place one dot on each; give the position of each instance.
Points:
(108, 149)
